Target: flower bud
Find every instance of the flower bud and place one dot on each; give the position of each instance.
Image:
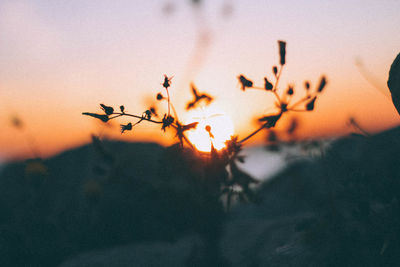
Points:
(282, 52)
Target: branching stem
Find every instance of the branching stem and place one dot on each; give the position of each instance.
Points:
(132, 115)
(252, 134)
(169, 101)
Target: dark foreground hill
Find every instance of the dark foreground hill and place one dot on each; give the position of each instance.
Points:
(121, 205)
(97, 196)
(340, 210)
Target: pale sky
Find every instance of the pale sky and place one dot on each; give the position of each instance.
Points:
(60, 58)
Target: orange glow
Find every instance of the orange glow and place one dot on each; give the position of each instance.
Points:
(60, 59)
(221, 128)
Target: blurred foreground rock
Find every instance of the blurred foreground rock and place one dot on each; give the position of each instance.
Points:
(341, 210)
(394, 82)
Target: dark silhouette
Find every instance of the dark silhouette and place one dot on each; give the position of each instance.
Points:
(197, 98)
(244, 82)
(340, 210)
(105, 198)
(394, 82)
(102, 195)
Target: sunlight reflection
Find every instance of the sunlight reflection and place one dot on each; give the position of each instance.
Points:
(220, 123)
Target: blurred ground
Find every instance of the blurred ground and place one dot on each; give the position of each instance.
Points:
(339, 210)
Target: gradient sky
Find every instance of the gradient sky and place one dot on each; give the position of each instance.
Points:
(60, 58)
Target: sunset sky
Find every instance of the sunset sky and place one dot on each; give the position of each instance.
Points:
(61, 58)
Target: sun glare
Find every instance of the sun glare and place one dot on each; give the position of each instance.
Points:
(214, 126)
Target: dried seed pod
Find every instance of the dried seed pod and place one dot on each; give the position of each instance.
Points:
(290, 90)
(275, 70)
(167, 81)
(322, 84)
(160, 96)
(244, 82)
(282, 52)
(307, 85)
(153, 111)
(108, 110)
(268, 86)
(311, 103)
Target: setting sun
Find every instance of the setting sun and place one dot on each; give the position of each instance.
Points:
(214, 126)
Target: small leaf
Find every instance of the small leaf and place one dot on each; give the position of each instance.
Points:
(197, 97)
(153, 111)
(101, 117)
(270, 121)
(190, 126)
(244, 82)
(122, 108)
(322, 84)
(310, 104)
(127, 127)
(108, 110)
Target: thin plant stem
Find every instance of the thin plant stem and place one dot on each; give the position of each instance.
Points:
(168, 102)
(252, 134)
(116, 116)
(274, 92)
(188, 142)
(276, 84)
(301, 101)
(277, 79)
(256, 87)
(298, 110)
(277, 96)
(174, 111)
(135, 116)
(184, 137)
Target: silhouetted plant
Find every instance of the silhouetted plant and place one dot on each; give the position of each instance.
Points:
(217, 171)
(197, 98)
(227, 156)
